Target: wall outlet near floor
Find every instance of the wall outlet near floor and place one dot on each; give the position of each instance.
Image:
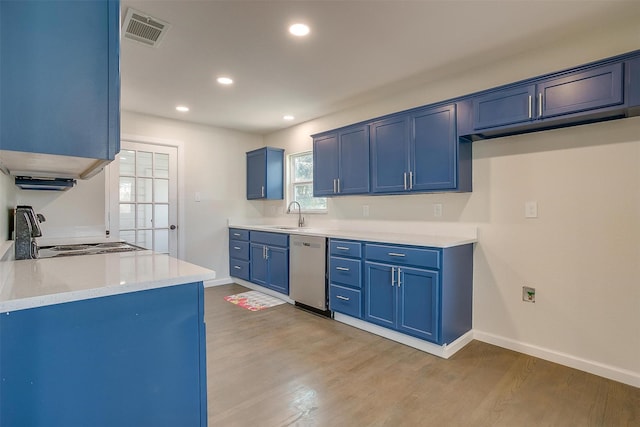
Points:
(531, 209)
(528, 294)
(437, 209)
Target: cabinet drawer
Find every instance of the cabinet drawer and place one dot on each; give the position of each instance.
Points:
(238, 234)
(345, 300)
(403, 255)
(238, 268)
(239, 249)
(345, 271)
(344, 248)
(273, 239)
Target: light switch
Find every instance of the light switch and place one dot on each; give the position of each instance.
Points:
(197, 196)
(531, 209)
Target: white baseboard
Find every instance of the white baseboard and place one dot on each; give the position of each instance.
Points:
(444, 351)
(218, 282)
(607, 371)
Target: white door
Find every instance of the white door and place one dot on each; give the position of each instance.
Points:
(143, 208)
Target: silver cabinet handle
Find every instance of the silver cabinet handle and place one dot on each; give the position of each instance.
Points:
(237, 267)
(237, 248)
(530, 105)
(334, 186)
(539, 104)
(399, 274)
(396, 254)
(266, 252)
(338, 180)
(342, 298)
(410, 180)
(405, 180)
(393, 272)
(236, 234)
(342, 268)
(262, 191)
(342, 248)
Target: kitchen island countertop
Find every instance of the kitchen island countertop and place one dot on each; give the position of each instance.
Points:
(39, 282)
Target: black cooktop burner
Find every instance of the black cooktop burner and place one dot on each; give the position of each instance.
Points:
(86, 249)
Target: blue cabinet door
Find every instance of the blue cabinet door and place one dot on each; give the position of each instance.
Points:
(380, 294)
(418, 311)
(325, 165)
(265, 174)
(278, 259)
(586, 90)
(504, 107)
(259, 266)
(353, 159)
(256, 174)
(390, 155)
(60, 78)
(434, 151)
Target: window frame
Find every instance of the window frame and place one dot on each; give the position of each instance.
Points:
(291, 184)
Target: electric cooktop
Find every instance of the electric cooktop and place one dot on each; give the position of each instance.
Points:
(86, 249)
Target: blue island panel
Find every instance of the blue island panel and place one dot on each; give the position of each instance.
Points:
(135, 359)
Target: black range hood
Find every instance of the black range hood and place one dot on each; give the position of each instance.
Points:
(51, 184)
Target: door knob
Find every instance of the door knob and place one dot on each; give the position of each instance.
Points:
(172, 227)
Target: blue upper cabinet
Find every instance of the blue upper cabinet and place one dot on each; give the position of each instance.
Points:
(265, 174)
(341, 162)
(419, 151)
(504, 107)
(325, 164)
(60, 81)
(568, 98)
(390, 140)
(582, 91)
(434, 152)
(632, 85)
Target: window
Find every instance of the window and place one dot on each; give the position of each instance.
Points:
(301, 183)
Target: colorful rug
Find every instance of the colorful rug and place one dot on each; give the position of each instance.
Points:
(253, 300)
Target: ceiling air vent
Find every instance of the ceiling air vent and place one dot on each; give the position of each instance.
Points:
(143, 28)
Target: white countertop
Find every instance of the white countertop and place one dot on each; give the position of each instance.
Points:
(431, 240)
(39, 282)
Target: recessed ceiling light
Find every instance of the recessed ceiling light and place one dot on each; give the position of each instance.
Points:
(182, 108)
(288, 117)
(299, 30)
(225, 80)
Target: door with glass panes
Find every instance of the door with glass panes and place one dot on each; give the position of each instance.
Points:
(144, 196)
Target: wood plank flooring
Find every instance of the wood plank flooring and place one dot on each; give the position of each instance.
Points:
(286, 367)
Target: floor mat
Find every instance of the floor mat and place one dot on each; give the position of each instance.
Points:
(253, 300)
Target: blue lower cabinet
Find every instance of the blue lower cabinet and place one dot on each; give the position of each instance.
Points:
(269, 265)
(345, 277)
(135, 359)
(403, 298)
(418, 296)
(419, 291)
(239, 269)
(345, 300)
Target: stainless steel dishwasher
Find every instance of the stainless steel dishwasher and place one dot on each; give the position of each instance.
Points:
(307, 272)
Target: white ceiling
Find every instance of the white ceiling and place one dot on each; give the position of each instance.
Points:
(356, 49)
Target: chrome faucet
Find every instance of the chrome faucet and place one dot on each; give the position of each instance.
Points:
(300, 218)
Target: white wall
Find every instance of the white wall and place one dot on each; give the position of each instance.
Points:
(582, 254)
(214, 166)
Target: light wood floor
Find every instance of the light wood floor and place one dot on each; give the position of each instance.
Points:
(286, 367)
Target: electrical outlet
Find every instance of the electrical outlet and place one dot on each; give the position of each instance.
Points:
(528, 294)
(437, 209)
(197, 197)
(365, 210)
(531, 209)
